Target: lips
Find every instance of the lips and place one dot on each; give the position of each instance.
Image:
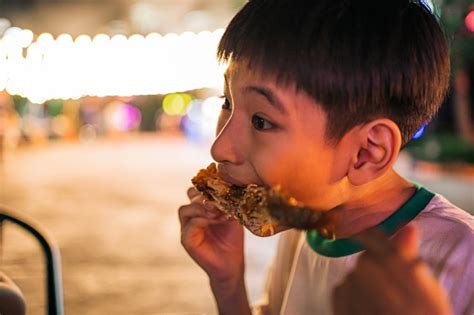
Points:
(228, 178)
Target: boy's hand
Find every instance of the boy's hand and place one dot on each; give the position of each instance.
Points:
(217, 245)
(212, 240)
(390, 279)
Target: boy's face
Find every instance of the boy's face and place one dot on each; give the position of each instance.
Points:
(272, 135)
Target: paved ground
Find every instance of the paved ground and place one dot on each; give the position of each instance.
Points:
(111, 205)
(112, 208)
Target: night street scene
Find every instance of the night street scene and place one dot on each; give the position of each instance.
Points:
(109, 108)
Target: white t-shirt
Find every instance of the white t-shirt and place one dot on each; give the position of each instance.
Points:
(300, 280)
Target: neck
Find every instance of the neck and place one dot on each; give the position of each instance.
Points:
(367, 206)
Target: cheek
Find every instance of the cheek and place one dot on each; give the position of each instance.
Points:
(269, 160)
(273, 164)
(304, 174)
(307, 181)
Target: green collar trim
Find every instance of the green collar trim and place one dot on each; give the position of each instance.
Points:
(345, 247)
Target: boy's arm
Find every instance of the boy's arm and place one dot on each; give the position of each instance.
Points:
(231, 298)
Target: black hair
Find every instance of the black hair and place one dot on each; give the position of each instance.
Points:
(359, 59)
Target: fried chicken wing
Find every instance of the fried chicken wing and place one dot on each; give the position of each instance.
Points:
(259, 209)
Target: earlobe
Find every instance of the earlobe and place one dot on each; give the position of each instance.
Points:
(379, 144)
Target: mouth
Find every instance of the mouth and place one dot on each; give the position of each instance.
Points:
(228, 178)
(262, 210)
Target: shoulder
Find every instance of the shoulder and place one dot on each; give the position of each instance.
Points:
(447, 245)
(446, 235)
(442, 220)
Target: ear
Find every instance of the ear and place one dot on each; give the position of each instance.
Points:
(378, 143)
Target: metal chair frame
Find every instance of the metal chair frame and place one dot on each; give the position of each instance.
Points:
(50, 250)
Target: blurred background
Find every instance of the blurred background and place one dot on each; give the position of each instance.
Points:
(108, 108)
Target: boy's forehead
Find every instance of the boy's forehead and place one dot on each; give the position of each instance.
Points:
(245, 79)
(237, 69)
(242, 73)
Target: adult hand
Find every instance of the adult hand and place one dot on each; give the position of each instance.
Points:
(390, 278)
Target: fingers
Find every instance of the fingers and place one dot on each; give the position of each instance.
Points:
(388, 276)
(398, 257)
(194, 226)
(199, 213)
(194, 219)
(384, 274)
(193, 234)
(375, 241)
(192, 192)
(359, 296)
(341, 300)
(187, 212)
(198, 198)
(406, 242)
(197, 210)
(377, 281)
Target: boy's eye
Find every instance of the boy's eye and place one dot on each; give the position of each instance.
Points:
(226, 105)
(260, 123)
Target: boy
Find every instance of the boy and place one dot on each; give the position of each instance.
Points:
(320, 96)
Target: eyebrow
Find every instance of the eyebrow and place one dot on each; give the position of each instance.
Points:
(268, 94)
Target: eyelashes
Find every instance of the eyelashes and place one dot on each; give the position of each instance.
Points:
(258, 122)
(226, 104)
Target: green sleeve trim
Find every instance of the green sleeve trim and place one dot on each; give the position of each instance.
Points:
(344, 247)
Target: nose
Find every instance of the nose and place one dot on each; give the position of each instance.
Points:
(229, 143)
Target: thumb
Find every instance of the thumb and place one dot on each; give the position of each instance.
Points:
(406, 241)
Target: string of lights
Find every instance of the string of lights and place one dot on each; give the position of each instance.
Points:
(42, 67)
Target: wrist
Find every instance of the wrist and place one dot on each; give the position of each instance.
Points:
(229, 279)
(231, 296)
(228, 282)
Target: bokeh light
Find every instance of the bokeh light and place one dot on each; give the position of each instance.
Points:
(25, 38)
(201, 118)
(176, 104)
(83, 41)
(469, 20)
(121, 116)
(419, 133)
(64, 68)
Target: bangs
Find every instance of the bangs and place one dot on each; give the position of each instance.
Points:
(360, 60)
